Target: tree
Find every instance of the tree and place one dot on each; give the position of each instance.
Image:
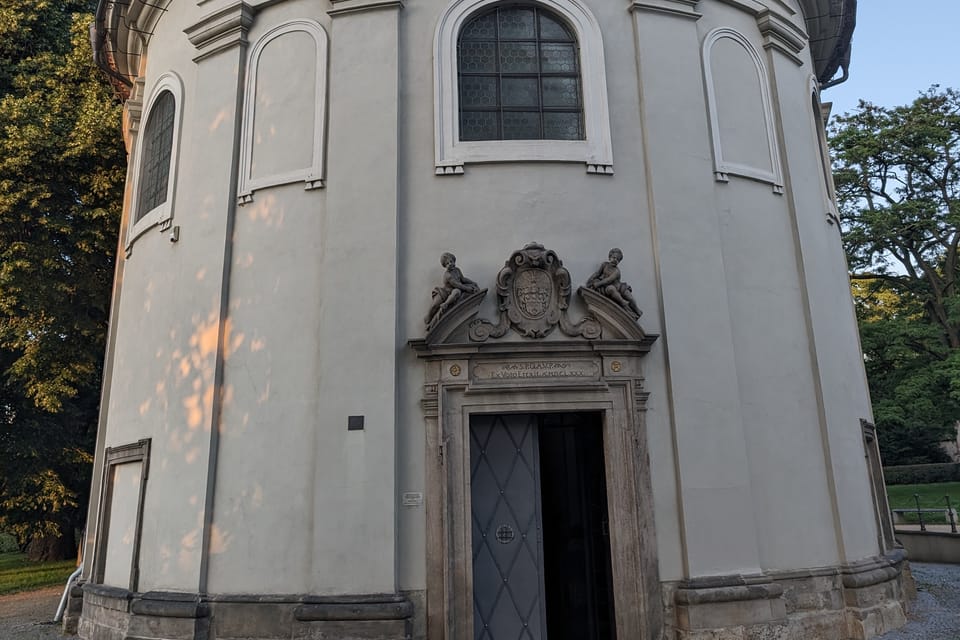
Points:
(898, 187)
(62, 167)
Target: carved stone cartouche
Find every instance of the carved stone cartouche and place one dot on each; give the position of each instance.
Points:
(606, 280)
(533, 294)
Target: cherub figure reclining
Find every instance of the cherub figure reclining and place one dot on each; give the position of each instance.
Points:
(455, 285)
(607, 281)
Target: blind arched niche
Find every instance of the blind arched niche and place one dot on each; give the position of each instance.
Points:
(284, 109)
(741, 115)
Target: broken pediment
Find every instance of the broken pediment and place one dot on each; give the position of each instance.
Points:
(533, 300)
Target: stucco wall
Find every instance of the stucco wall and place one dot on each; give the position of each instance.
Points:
(756, 384)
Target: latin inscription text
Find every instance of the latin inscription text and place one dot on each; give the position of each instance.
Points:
(536, 370)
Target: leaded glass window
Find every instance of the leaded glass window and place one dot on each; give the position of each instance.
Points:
(155, 155)
(519, 75)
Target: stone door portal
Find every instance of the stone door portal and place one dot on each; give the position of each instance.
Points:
(540, 532)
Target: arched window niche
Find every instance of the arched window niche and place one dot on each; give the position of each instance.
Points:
(284, 109)
(156, 150)
(820, 113)
(741, 113)
(590, 144)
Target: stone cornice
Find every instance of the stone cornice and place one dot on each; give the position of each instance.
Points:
(681, 8)
(220, 30)
(782, 34)
(341, 7)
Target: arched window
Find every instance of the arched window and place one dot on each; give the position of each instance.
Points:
(520, 82)
(155, 156)
(519, 76)
(820, 115)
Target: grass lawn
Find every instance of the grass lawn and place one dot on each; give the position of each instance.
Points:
(931, 497)
(19, 574)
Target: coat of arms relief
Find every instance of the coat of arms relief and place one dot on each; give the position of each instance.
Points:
(533, 299)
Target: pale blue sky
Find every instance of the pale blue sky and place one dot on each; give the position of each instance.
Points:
(900, 47)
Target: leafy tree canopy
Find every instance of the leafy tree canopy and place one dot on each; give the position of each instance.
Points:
(62, 167)
(898, 188)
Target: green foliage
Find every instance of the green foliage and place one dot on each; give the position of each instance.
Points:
(62, 167)
(897, 173)
(8, 543)
(17, 573)
(922, 473)
(29, 28)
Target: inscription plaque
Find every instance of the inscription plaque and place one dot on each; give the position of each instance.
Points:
(412, 499)
(537, 370)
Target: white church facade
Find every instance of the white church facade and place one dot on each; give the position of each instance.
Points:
(476, 320)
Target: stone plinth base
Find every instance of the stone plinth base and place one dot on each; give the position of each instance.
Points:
(117, 614)
(71, 615)
(854, 602)
(874, 595)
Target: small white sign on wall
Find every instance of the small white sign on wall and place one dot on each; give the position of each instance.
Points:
(412, 499)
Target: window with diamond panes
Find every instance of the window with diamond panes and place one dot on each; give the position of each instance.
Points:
(157, 147)
(519, 74)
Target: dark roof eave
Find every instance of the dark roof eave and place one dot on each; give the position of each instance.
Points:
(830, 25)
(102, 55)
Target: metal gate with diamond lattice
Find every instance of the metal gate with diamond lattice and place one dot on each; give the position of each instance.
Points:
(508, 588)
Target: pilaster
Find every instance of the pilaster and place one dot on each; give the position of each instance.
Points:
(835, 359)
(717, 521)
(221, 42)
(355, 513)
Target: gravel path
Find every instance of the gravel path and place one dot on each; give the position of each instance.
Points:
(29, 615)
(936, 612)
(935, 615)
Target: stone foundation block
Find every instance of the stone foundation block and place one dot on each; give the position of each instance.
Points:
(116, 614)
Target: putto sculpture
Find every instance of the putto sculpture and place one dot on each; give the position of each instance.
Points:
(606, 280)
(455, 284)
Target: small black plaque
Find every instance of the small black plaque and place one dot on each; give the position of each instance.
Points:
(354, 423)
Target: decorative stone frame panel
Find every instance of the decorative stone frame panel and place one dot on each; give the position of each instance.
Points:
(598, 376)
(161, 214)
(595, 150)
(313, 175)
(724, 167)
(113, 457)
(878, 488)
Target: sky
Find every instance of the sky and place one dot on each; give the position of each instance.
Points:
(900, 48)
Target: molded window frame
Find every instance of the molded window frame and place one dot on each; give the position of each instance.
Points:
(162, 214)
(451, 154)
(724, 168)
(313, 175)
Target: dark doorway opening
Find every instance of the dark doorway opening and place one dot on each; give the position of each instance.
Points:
(541, 546)
(576, 537)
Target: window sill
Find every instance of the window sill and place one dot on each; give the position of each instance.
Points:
(161, 215)
(489, 151)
